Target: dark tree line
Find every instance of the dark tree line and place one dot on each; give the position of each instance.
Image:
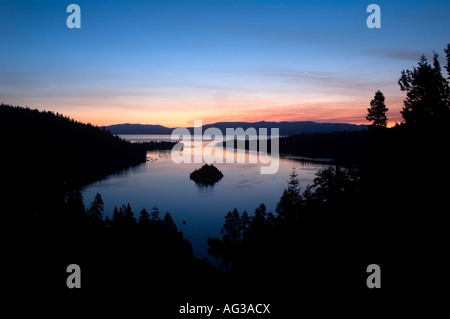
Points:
(331, 191)
(45, 154)
(121, 255)
(343, 147)
(123, 218)
(63, 150)
(427, 102)
(427, 94)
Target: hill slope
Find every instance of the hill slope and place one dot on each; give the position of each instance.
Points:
(48, 148)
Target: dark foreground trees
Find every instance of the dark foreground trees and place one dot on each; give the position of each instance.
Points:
(298, 215)
(390, 211)
(120, 259)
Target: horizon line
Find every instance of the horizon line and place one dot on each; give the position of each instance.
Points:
(255, 122)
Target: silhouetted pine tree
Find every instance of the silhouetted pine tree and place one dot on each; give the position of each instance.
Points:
(377, 111)
(289, 205)
(75, 211)
(144, 217)
(95, 212)
(447, 51)
(231, 228)
(154, 215)
(107, 222)
(117, 217)
(331, 187)
(259, 218)
(428, 94)
(245, 222)
(129, 218)
(169, 223)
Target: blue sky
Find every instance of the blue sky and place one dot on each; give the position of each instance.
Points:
(171, 62)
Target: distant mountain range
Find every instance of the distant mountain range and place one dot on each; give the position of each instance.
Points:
(138, 129)
(286, 128)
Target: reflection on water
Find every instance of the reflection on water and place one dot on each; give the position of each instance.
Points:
(165, 184)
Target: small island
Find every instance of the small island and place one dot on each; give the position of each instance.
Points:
(206, 175)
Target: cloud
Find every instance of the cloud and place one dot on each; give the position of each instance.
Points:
(394, 53)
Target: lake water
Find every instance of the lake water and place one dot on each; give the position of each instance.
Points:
(162, 183)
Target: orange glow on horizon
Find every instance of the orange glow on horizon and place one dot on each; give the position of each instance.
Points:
(172, 116)
(184, 121)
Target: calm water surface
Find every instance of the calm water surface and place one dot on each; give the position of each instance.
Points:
(162, 183)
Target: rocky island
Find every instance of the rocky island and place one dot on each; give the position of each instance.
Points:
(206, 175)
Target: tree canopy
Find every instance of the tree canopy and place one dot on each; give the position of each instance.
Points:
(377, 111)
(427, 93)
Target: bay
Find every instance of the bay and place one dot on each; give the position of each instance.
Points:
(162, 183)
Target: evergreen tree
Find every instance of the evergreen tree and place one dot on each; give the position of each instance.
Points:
(447, 51)
(107, 222)
(428, 94)
(331, 186)
(270, 219)
(154, 214)
(95, 212)
(231, 228)
(245, 222)
(289, 205)
(260, 216)
(117, 217)
(75, 212)
(129, 216)
(294, 183)
(123, 217)
(144, 217)
(377, 111)
(169, 222)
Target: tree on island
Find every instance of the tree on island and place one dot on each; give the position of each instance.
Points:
(377, 111)
(206, 175)
(428, 94)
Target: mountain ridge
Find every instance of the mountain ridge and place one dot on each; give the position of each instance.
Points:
(285, 127)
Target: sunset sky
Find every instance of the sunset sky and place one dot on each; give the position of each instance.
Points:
(171, 62)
